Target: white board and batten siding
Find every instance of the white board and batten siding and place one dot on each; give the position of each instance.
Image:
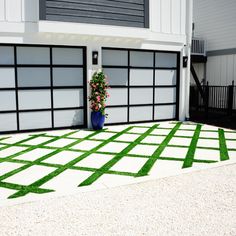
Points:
(215, 21)
(19, 11)
(166, 16)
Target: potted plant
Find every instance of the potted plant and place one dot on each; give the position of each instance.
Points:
(98, 97)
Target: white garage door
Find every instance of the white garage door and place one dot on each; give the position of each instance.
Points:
(144, 85)
(42, 87)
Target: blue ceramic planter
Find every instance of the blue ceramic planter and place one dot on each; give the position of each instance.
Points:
(97, 120)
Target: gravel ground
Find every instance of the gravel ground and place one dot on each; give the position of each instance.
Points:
(199, 203)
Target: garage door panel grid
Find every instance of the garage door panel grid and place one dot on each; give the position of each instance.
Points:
(147, 80)
(33, 79)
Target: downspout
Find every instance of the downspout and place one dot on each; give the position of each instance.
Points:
(189, 21)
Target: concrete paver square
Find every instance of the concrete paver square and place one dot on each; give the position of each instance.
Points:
(95, 160)
(34, 154)
(6, 167)
(230, 135)
(10, 151)
(208, 143)
(187, 127)
(138, 130)
(103, 136)
(175, 152)
(86, 145)
(67, 180)
(231, 144)
(37, 141)
(180, 141)
(63, 157)
(127, 137)
(161, 131)
(205, 134)
(129, 164)
(145, 150)
(153, 139)
(30, 175)
(113, 147)
(204, 154)
(81, 134)
(164, 168)
(5, 193)
(60, 143)
(184, 133)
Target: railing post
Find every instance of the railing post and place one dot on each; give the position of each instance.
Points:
(206, 99)
(230, 99)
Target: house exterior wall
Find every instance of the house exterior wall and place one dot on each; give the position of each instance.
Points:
(169, 30)
(215, 21)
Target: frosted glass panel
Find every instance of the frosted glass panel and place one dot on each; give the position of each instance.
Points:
(165, 95)
(141, 96)
(68, 118)
(140, 113)
(68, 98)
(35, 120)
(141, 77)
(141, 59)
(67, 76)
(7, 78)
(115, 57)
(67, 56)
(34, 99)
(166, 60)
(33, 55)
(7, 100)
(116, 115)
(165, 77)
(33, 77)
(118, 96)
(117, 76)
(8, 122)
(6, 55)
(165, 112)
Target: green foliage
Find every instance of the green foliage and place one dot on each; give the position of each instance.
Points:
(99, 94)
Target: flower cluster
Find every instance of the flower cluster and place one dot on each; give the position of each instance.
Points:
(99, 94)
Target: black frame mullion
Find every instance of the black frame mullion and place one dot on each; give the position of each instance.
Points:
(16, 88)
(51, 86)
(128, 90)
(154, 83)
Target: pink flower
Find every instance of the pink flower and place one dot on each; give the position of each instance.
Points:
(98, 98)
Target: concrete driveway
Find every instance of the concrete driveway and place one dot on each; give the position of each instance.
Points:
(42, 164)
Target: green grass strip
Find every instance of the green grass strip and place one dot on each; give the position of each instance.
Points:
(62, 168)
(105, 168)
(22, 187)
(151, 161)
(189, 159)
(224, 155)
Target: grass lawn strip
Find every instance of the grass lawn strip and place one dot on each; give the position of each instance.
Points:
(188, 162)
(223, 147)
(117, 157)
(62, 168)
(151, 161)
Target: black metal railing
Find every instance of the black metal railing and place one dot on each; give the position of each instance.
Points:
(216, 98)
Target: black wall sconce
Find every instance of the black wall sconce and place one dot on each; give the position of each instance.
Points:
(95, 57)
(185, 62)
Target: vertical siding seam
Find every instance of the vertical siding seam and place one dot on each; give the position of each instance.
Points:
(160, 15)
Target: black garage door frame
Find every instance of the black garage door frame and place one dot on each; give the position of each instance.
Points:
(51, 87)
(154, 86)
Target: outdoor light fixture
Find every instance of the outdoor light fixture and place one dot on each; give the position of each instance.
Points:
(95, 57)
(185, 62)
